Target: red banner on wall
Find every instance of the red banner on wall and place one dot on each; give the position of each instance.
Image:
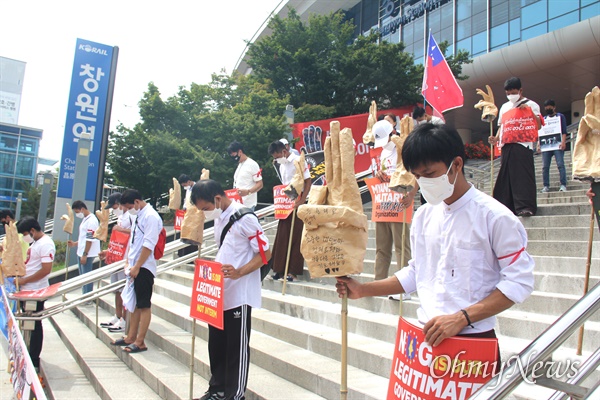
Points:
(453, 370)
(313, 134)
(387, 204)
(283, 204)
(207, 293)
(179, 214)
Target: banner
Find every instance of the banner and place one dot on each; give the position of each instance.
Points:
(283, 204)
(519, 125)
(179, 214)
(117, 245)
(37, 295)
(23, 377)
(207, 293)
(233, 195)
(312, 135)
(551, 134)
(387, 204)
(86, 113)
(453, 370)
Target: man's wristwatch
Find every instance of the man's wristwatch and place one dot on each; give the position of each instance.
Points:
(85, 253)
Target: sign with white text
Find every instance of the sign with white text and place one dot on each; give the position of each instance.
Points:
(207, 293)
(283, 204)
(550, 134)
(179, 214)
(387, 204)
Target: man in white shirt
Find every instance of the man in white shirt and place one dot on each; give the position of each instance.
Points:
(88, 246)
(247, 178)
(469, 259)
(141, 265)
(284, 228)
(421, 117)
(515, 184)
(244, 250)
(38, 266)
(288, 147)
(187, 184)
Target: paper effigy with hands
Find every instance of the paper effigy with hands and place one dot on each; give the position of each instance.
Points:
(334, 239)
(69, 220)
(102, 214)
(586, 154)
(488, 108)
(205, 174)
(401, 180)
(296, 186)
(175, 196)
(12, 257)
(369, 136)
(192, 226)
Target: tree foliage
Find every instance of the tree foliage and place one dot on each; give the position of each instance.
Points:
(191, 131)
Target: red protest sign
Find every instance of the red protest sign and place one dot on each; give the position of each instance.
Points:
(117, 246)
(387, 204)
(454, 369)
(207, 293)
(39, 294)
(233, 194)
(179, 214)
(519, 125)
(283, 204)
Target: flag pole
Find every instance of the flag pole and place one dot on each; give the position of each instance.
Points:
(586, 282)
(344, 357)
(403, 251)
(193, 349)
(492, 160)
(289, 250)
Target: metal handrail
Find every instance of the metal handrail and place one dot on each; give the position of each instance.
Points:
(585, 370)
(541, 348)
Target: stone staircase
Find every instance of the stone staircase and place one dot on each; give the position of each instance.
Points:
(295, 341)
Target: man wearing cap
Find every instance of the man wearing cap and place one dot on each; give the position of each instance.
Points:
(388, 234)
(247, 178)
(124, 223)
(288, 147)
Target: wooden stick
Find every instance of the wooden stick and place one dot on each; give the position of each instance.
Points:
(193, 350)
(492, 160)
(586, 282)
(67, 258)
(289, 251)
(97, 301)
(344, 358)
(402, 254)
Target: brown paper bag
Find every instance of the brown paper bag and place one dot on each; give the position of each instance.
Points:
(192, 226)
(401, 180)
(586, 154)
(175, 196)
(102, 214)
(12, 258)
(68, 218)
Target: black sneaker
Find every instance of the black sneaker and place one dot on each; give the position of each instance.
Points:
(212, 396)
(276, 276)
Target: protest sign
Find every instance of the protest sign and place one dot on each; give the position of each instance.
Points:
(179, 214)
(550, 134)
(455, 369)
(207, 293)
(519, 125)
(387, 204)
(283, 204)
(233, 195)
(117, 245)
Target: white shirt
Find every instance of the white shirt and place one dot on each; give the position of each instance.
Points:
(239, 247)
(40, 251)
(188, 196)
(288, 169)
(463, 251)
(144, 233)
(246, 175)
(126, 220)
(509, 105)
(388, 158)
(87, 228)
(434, 120)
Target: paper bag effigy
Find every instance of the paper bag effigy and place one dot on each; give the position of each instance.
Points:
(69, 219)
(192, 227)
(586, 154)
(12, 257)
(401, 180)
(102, 214)
(175, 196)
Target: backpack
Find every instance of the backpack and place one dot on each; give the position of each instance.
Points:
(159, 249)
(264, 270)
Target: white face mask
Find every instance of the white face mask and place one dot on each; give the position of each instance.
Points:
(213, 214)
(436, 190)
(28, 239)
(513, 98)
(117, 212)
(281, 160)
(133, 211)
(79, 215)
(422, 122)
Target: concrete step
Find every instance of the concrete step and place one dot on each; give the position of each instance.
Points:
(582, 208)
(108, 375)
(559, 220)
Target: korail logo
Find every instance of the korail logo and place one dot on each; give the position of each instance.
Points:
(91, 49)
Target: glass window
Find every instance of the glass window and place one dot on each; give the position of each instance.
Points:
(6, 183)
(479, 23)
(499, 14)
(533, 14)
(25, 166)
(419, 49)
(479, 6)
(5, 204)
(22, 185)
(534, 31)
(587, 2)
(433, 21)
(8, 142)
(515, 29)
(419, 29)
(463, 9)
(563, 21)
(560, 7)
(408, 33)
(7, 163)
(479, 43)
(463, 29)
(27, 145)
(514, 10)
(419, 61)
(499, 47)
(446, 35)
(447, 15)
(464, 45)
(590, 11)
(499, 35)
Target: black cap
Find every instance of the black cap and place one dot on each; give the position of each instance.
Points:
(112, 200)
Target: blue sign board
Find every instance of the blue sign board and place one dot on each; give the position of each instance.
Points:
(85, 113)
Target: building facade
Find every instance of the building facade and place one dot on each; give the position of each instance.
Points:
(552, 45)
(19, 148)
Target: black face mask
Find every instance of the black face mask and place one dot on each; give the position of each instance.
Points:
(549, 111)
(235, 158)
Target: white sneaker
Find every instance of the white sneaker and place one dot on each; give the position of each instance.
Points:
(118, 327)
(406, 296)
(110, 323)
(563, 188)
(545, 189)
